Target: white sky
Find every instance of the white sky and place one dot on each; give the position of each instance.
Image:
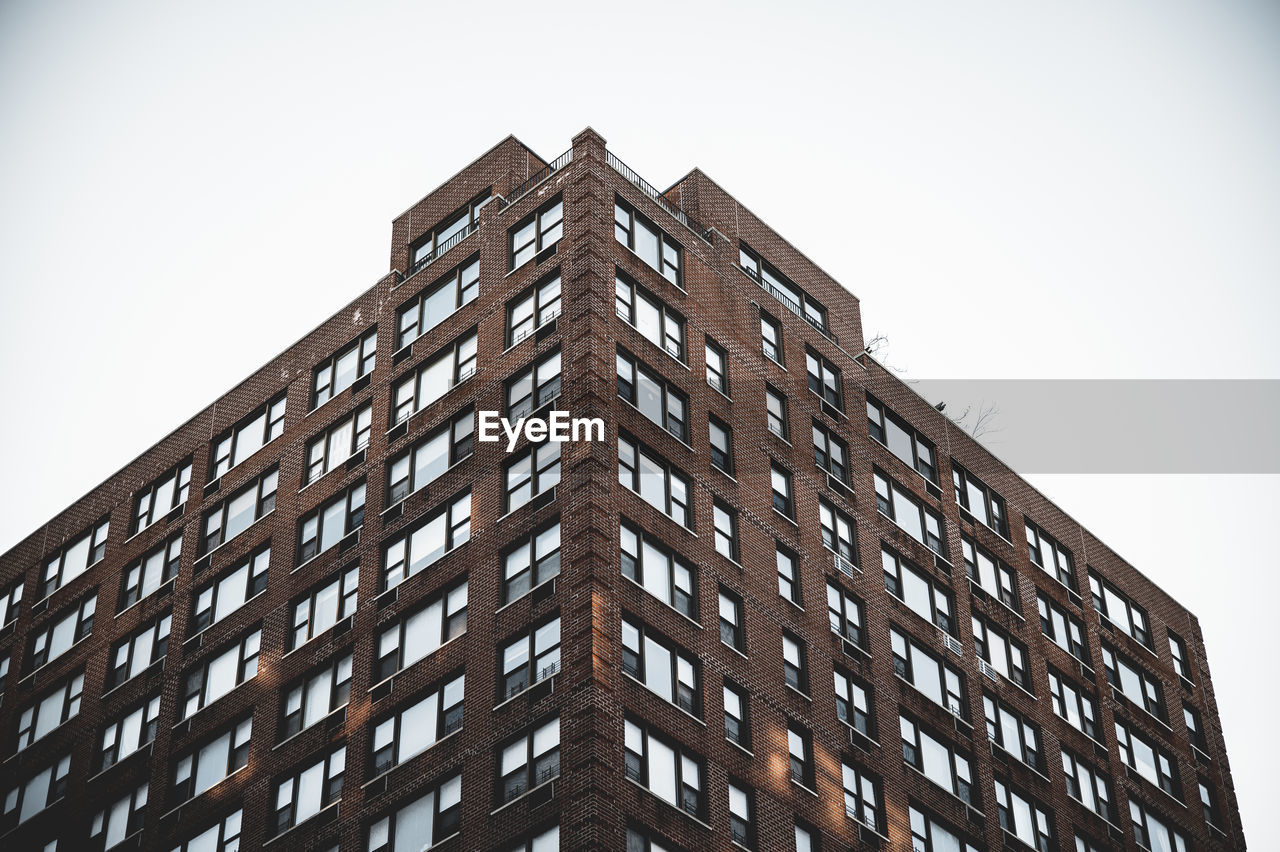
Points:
(1050, 189)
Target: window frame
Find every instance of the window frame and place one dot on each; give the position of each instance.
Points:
(175, 482)
(670, 254)
(828, 379)
(365, 347)
(681, 583)
(545, 227)
(313, 526)
(463, 280)
(545, 300)
(225, 449)
(543, 389)
(627, 309)
(673, 403)
(924, 455)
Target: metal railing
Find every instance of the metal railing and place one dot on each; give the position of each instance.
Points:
(423, 262)
(791, 305)
(664, 202)
(537, 177)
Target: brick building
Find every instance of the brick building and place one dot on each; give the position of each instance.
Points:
(784, 604)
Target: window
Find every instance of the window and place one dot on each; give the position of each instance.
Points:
(418, 727)
(546, 841)
(898, 505)
(55, 708)
(536, 471)
(838, 532)
(721, 441)
(939, 681)
(1137, 685)
(979, 500)
(830, 453)
(824, 379)
(731, 630)
(73, 624)
(665, 769)
(537, 231)
(223, 596)
(783, 500)
(1195, 729)
(4, 673)
(1148, 759)
(725, 520)
(234, 515)
(990, 574)
(134, 654)
(654, 479)
(1011, 731)
(438, 302)
(530, 658)
(442, 530)
(218, 675)
(902, 439)
(1208, 803)
(149, 573)
(302, 796)
(795, 663)
(420, 465)
(908, 584)
(663, 574)
(788, 575)
(38, 792)
(222, 837)
(83, 553)
(657, 323)
(161, 497)
(422, 823)
(776, 407)
(324, 607)
(327, 525)
(1152, 832)
(536, 307)
(805, 839)
(844, 612)
(929, 835)
(531, 562)
(530, 761)
(342, 441)
(322, 692)
(798, 301)
(737, 715)
(1088, 786)
(1181, 660)
(661, 402)
(535, 387)
(662, 666)
(647, 240)
(131, 732)
(638, 842)
(441, 373)
(1073, 705)
(123, 818)
(205, 766)
(1006, 655)
(263, 425)
(421, 633)
(853, 703)
(448, 233)
(861, 796)
(11, 602)
(1024, 818)
(1064, 629)
(1054, 559)
(717, 367)
(1116, 607)
(936, 760)
(771, 338)
(800, 750)
(353, 362)
(741, 826)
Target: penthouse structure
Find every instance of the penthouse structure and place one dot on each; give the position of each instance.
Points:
(785, 604)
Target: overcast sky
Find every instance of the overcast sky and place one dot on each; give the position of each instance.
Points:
(1049, 189)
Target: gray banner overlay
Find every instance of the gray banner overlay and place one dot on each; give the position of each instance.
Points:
(1120, 426)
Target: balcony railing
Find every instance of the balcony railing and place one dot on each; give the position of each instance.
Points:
(537, 177)
(664, 202)
(791, 305)
(423, 262)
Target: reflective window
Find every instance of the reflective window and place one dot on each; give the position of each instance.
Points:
(532, 310)
(648, 315)
(418, 727)
(338, 443)
(440, 531)
(647, 240)
(438, 302)
(536, 232)
(434, 378)
(663, 574)
(352, 362)
(161, 497)
(252, 433)
(421, 633)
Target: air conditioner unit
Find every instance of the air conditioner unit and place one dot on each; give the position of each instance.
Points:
(953, 644)
(844, 566)
(987, 669)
